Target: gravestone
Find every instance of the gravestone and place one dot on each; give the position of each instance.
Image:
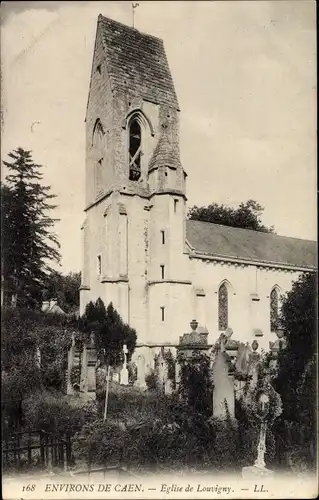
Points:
(224, 392)
(124, 371)
(190, 344)
(91, 373)
(141, 371)
(71, 364)
(253, 364)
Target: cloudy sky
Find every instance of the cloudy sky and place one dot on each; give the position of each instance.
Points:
(245, 77)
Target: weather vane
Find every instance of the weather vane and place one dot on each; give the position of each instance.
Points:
(134, 5)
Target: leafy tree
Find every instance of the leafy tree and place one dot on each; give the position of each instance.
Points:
(64, 288)
(298, 321)
(246, 216)
(297, 362)
(27, 238)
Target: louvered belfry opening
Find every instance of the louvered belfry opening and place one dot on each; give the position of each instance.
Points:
(135, 151)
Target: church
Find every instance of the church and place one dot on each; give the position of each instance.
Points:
(140, 252)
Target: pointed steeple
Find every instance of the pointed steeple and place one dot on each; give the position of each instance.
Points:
(166, 154)
(165, 171)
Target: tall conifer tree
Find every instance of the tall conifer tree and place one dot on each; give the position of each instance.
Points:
(28, 242)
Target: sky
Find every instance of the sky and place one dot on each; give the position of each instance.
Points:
(245, 77)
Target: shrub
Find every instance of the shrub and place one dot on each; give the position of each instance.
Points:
(51, 412)
(196, 384)
(75, 375)
(160, 432)
(132, 373)
(100, 442)
(151, 381)
(25, 333)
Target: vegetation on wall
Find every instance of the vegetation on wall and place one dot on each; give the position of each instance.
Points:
(34, 350)
(196, 385)
(246, 216)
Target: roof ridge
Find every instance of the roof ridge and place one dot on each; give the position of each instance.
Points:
(105, 18)
(252, 230)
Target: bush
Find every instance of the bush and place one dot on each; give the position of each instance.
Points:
(196, 384)
(100, 442)
(160, 432)
(25, 333)
(151, 381)
(51, 412)
(75, 375)
(132, 373)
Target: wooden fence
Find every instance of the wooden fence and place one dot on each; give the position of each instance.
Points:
(36, 449)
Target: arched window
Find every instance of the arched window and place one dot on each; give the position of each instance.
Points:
(223, 307)
(135, 151)
(98, 149)
(274, 309)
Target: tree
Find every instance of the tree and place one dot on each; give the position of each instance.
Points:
(246, 216)
(110, 335)
(297, 362)
(64, 288)
(110, 332)
(27, 238)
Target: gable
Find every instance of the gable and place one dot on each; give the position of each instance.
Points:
(244, 244)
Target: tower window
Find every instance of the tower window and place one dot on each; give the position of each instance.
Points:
(162, 271)
(223, 307)
(274, 309)
(98, 147)
(163, 313)
(175, 206)
(135, 151)
(99, 264)
(98, 69)
(163, 237)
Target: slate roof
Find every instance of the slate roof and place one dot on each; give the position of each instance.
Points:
(137, 61)
(165, 154)
(244, 244)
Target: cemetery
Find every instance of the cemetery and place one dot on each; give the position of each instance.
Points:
(203, 408)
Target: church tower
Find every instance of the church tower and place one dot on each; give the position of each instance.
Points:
(134, 229)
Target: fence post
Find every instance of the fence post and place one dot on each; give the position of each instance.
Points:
(61, 453)
(54, 457)
(68, 450)
(42, 450)
(6, 448)
(15, 450)
(29, 449)
(47, 452)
